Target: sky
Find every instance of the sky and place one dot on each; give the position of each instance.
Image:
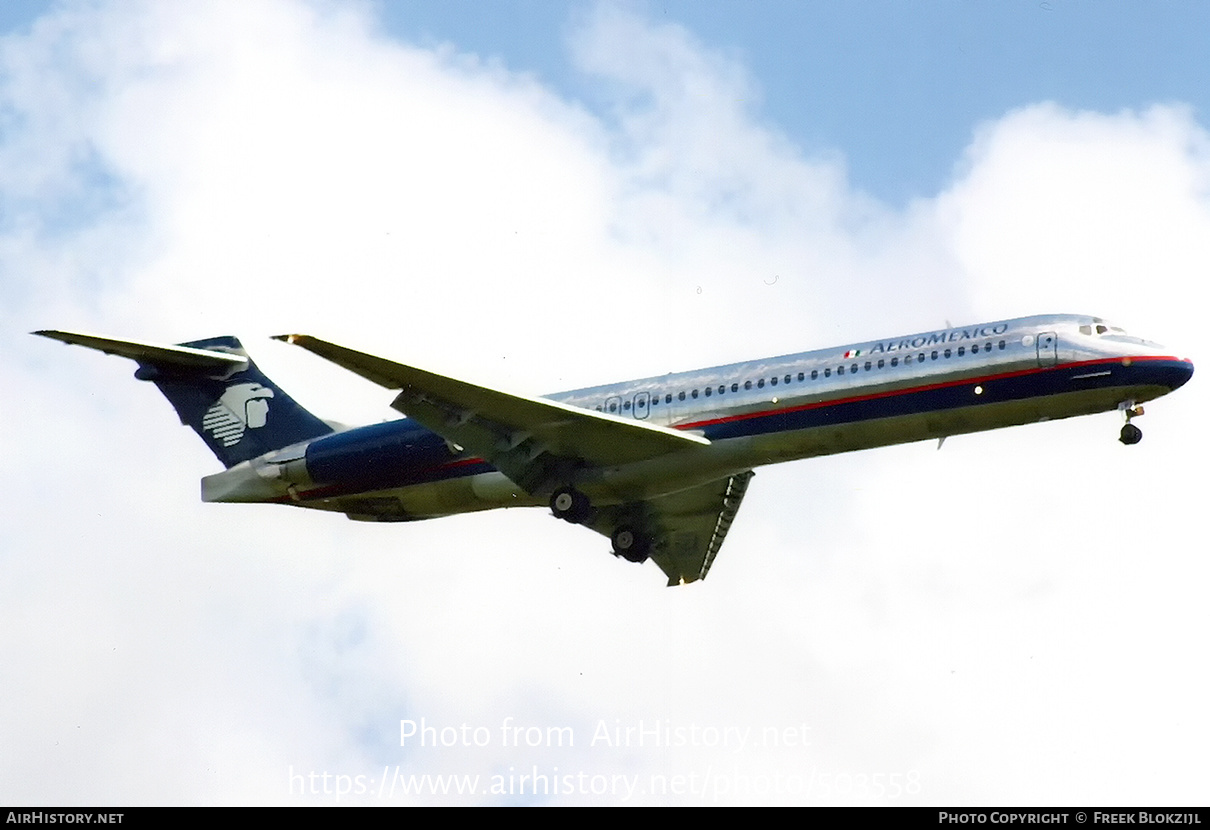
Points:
(539, 197)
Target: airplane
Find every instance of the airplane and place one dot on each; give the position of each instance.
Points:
(658, 465)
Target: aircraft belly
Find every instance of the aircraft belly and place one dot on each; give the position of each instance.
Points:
(469, 494)
(922, 426)
(444, 498)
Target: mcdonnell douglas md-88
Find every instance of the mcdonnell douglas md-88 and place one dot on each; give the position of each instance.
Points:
(658, 465)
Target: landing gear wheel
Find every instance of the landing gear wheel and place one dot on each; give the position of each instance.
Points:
(1130, 433)
(570, 505)
(629, 544)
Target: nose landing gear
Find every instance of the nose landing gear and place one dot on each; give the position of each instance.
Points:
(1130, 433)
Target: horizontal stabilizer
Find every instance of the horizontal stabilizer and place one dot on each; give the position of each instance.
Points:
(217, 391)
(180, 357)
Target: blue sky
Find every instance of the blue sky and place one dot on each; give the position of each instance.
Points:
(537, 197)
(896, 87)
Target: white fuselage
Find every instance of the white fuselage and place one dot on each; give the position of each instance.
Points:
(863, 395)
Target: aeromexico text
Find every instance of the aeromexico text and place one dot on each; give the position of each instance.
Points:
(949, 336)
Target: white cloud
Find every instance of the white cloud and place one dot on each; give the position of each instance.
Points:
(1071, 200)
(946, 617)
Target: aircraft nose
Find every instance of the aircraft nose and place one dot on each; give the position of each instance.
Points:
(1181, 371)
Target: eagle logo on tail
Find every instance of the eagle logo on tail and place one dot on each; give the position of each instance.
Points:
(243, 406)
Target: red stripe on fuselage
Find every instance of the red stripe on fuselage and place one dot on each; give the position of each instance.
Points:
(320, 492)
(1125, 361)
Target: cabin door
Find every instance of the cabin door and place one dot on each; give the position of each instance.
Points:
(642, 403)
(1048, 349)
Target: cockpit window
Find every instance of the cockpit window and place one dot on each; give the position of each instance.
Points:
(1100, 327)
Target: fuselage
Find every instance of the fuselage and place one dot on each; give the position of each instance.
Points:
(924, 386)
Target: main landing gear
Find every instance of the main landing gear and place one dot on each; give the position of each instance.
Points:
(570, 505)
(1130, 433)
(629, 544)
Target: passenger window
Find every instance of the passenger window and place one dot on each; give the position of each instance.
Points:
(961, 351)
(948, 352)
(814, 374)
(709, 391)
(722, 389)
(773, 381)
(894, 361)
(934, 355)
(735, 387)
(801, 377)
(694, 393)
(827, 373)
(975, 349)
(747, 384)
(760, 384)
(840, 370)
(868, 365)
(787, 379)
(680, 396)
(881, 363)
(626, 405)
(668, 398)
(1003, 345)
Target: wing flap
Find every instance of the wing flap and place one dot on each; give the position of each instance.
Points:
(686, 529)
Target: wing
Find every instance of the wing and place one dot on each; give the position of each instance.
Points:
(685, 530)
(533, 441)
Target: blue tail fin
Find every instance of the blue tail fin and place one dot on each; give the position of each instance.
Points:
(239, 415)
(218, 391)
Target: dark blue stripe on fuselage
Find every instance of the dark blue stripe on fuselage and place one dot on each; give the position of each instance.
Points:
(402, 453)
(941, 397)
